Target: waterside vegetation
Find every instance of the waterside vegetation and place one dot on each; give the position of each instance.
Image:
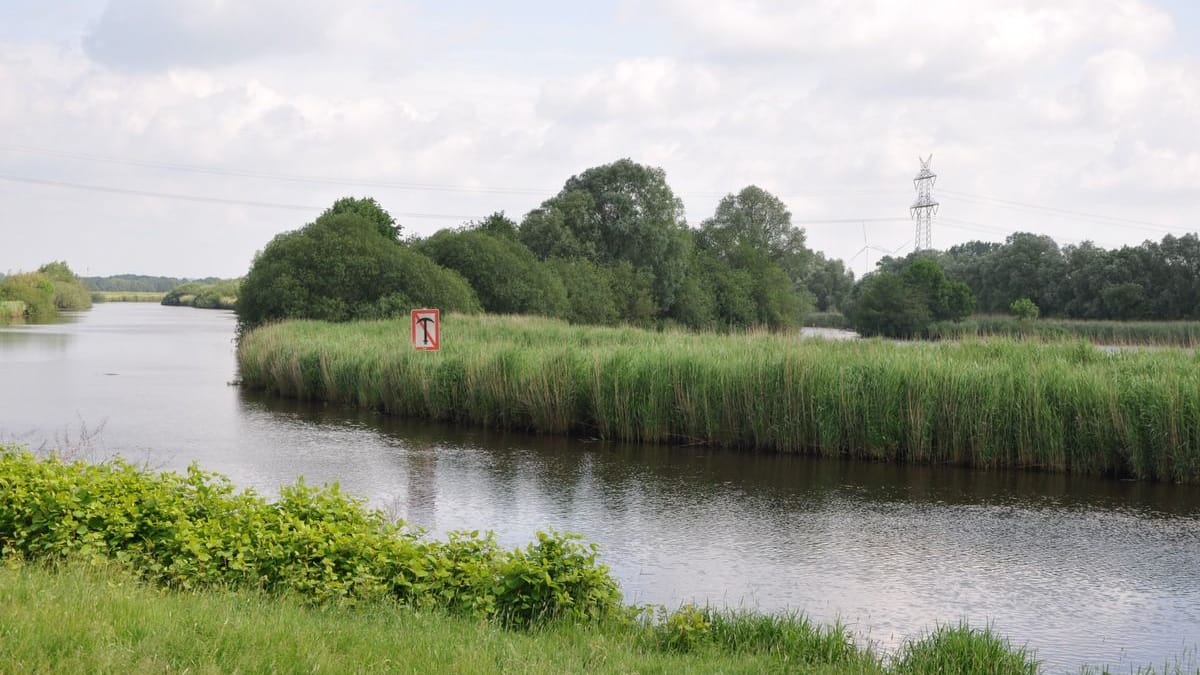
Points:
(127, 296)
(221, 294)
(110, 567)
(994, 404)
(42, 294)
(1116, 333)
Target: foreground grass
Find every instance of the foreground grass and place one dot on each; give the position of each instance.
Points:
(79, 620)
(127, 296)
(107, 568)
(1116, 333)
(1061, 406)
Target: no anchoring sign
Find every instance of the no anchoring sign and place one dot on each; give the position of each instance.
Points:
(426, 329)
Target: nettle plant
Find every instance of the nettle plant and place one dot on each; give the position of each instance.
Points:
(196, 531)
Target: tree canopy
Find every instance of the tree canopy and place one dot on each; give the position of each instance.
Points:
(622, 212)
(344, 266)
(902, 303)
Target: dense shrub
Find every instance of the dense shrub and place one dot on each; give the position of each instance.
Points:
(505, 274)
(221, 294)
(904, 303)
(342, 267)
(69, 290)
(34, 290)
(195, 531)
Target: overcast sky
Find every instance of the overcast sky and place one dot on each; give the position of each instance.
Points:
(176, 138)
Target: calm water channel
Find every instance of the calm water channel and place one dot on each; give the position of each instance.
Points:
(1083, 570)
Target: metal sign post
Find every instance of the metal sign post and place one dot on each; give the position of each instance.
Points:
(426, 329)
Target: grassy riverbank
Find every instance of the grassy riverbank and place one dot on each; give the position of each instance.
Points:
(111, 568)
(1118, 333)
(1064, 407)
(127, 296)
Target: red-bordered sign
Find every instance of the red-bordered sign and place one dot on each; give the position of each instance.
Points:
(426, 329)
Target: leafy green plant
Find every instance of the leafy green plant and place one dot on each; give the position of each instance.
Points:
(1024, 309)
(196, 531)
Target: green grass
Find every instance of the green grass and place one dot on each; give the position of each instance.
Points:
(127, 296)
(995, 404)
(1117, 333)
(11, 310)
(93, 620)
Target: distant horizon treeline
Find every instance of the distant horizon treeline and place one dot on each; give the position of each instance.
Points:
(611, 247)
(140, 283)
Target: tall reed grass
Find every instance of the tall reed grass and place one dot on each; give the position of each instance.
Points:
(1117, 333)
(127, 296)
(996, 403)
(11, 309)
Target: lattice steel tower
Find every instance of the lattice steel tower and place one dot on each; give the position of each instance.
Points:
(925, 207)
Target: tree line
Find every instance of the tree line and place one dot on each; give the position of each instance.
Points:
(1152, 281)
(611, 247)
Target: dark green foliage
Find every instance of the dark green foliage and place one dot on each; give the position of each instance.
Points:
(622, 212)
(903, 304)
(964, 651)
(884, 304)
(755, 223)
(368, 209)
(341, 267)
(589, 289)
(138, 283)
(1152, 281)
(751, 234)
(196, 531)
(505, 275)
(221, 294)
(829, 282)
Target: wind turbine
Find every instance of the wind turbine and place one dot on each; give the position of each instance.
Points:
(867, 248)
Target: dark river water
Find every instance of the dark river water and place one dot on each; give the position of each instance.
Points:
(1082, 570)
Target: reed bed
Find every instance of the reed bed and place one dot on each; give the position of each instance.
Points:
(1115, 333)
(995, 403)
(127, 296)
(11, 309)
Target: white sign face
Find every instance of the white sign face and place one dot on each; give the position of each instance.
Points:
(426, 329)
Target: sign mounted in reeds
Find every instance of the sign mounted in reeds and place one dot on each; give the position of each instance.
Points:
(426, 329)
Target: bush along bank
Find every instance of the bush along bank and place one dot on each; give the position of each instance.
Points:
(1063, 406)
(318, 546)
(196, 531)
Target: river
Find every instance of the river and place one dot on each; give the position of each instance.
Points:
(1084, 570)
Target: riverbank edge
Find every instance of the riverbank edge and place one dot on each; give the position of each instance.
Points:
(994, 404)
(149, 540)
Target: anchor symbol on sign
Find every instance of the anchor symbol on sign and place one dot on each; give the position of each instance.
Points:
(424, 321)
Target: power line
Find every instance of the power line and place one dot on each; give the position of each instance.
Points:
(1066, 213)
(346, 182)
(210, 200)
(241, 173)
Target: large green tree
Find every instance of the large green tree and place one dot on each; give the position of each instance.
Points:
(622, 212)
(756, 220)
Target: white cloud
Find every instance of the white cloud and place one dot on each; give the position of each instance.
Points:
(1069, 103)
